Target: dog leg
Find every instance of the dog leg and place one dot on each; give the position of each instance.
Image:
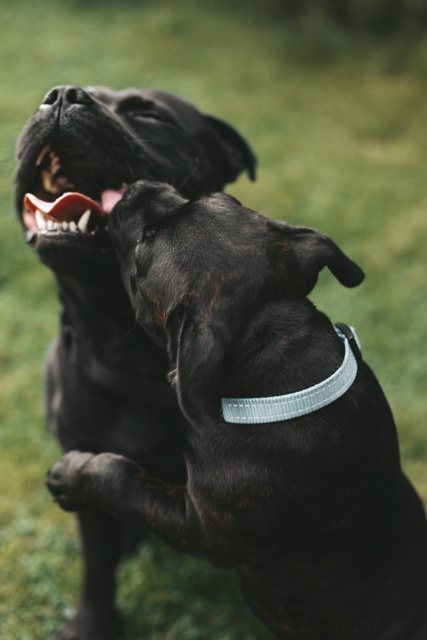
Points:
(102, 538)
(119, 486)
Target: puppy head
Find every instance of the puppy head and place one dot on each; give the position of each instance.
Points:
(197, 270)
(213, 254)
(175, 252)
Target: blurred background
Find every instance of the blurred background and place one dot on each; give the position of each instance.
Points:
(332, 95)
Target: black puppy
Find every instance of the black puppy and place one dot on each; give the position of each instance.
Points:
(293, 478)
(106, 387)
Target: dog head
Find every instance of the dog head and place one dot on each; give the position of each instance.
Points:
(82, 146)
(196, 271)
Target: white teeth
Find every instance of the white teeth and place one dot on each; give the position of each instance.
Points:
(46, 224)
(84, 220)
(40, 220)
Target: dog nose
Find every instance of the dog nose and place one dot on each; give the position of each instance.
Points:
(66, 95)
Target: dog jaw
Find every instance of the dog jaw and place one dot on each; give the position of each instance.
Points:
(55, 208)
(71, 212)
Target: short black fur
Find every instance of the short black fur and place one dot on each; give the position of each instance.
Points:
(106, 386)
(327, 536)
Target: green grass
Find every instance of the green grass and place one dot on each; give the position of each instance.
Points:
(338, 123)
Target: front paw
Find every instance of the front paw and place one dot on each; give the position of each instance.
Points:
(66, 480)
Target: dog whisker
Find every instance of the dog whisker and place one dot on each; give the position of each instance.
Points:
(128, 332)
(123, 314)
(190, 175)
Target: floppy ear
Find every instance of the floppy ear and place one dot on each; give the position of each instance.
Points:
(197, 350)
(312, 251)
(237, 150)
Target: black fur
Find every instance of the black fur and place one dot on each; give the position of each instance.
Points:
(327, 536)
(106, 387)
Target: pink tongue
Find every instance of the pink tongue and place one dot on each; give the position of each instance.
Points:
(109, 198)
(69, 206)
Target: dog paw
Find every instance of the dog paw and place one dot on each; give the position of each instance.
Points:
(65, 481)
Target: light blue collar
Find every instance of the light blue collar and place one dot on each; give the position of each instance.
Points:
(300, 403)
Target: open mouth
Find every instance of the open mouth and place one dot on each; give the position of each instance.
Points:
(57, 205)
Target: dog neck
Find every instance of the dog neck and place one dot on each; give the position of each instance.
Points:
(98, 317)
(288, 346)
(302, 402)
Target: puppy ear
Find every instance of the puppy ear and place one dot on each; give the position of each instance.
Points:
(197, 351)
(313, 251)
(237, 150)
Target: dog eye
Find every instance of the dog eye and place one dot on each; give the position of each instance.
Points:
(146, 115)
(138, 109)
(153, 114)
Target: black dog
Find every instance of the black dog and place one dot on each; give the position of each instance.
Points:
(106, 387)
(328, 537)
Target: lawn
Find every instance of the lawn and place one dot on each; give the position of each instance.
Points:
(338, 122)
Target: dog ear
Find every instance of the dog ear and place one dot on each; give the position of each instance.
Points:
(313, 251)
(197, 351)
(237, 150)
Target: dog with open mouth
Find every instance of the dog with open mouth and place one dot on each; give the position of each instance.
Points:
(106, 386)
(293, 471)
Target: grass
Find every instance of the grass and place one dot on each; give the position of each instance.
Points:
(337, 122)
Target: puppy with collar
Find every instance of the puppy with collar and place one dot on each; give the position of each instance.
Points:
(292, 460)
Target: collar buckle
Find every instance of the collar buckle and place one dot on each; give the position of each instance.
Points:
(352, 338)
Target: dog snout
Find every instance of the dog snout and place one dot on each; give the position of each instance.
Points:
(66, 95)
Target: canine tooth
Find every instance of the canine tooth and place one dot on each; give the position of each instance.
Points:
(73, 226)
(64, 225)
(50, 225)
(83, 222)
(40, 221)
